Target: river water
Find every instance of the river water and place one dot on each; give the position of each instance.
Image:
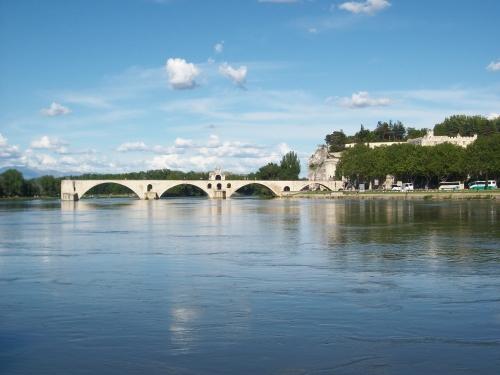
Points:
(249, 286)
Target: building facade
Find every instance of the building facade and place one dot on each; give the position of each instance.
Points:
(432, 140)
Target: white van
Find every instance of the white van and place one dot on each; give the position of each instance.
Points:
(407, 186)
(453, 185)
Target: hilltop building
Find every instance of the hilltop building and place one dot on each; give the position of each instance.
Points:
(432, 140)
(374, 144)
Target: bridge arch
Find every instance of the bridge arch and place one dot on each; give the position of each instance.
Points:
(82, 190)
(198, 186)
(260, 183)
(309, 183)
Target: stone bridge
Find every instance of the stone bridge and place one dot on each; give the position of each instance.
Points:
(153, 189)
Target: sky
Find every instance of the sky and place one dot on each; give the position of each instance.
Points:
(130, 85)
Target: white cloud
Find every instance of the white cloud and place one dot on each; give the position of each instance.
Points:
(181, 74)
(494, 66)
(493, 116)
(365, 7)
(55, 109)
(238, 76)
(49, 143)
(132, 146)
(183, 143)
(7, 151)
(219, 47)
(362, 99)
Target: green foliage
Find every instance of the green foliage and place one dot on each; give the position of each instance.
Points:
(11, 183)
(47, 186)
(270, 171)
(409, 162)
(467, 126)
(289, 166)
(336, 141)
(483, 157)
(384, 132)
(412, 133)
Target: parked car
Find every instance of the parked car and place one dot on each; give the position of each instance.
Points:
(481, 185)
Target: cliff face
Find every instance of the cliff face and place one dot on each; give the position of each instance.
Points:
(323, 164)
(317, 161)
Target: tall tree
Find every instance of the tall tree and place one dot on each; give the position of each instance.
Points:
(290, 166)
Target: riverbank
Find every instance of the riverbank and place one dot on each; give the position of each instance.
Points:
(414, 195)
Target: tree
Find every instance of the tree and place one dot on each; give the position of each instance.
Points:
(47, 186)
(482, 158)
(415, 133)
(290, 166)
(11, 182)
(363, 136)
(466, 126)
(270, 171)
(336, 141)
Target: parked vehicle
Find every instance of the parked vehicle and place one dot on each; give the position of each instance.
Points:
(451, 185)
(396, 187)
(481, 185)
(407, 186)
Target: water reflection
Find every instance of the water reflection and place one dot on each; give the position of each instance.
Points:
(249, 286)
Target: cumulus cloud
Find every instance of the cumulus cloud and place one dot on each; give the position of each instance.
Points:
(494, 66)
(219, 47)
(493, 116)
(362, 99)
(181, 74)
(132, 146)
(7, 151)
(365, 7)
(49, 143)
(238, 76)
(55, 109)
(183, 143)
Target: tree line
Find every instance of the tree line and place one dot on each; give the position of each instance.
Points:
(13, 184)
(425, 166)
(398, 132)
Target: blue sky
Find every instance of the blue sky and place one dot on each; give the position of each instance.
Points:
(111, 86)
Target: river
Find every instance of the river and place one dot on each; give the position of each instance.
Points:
(249, 286)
